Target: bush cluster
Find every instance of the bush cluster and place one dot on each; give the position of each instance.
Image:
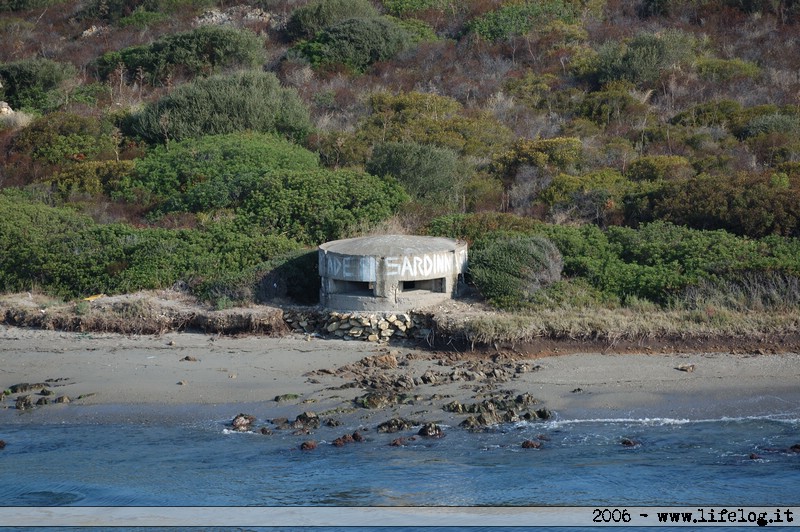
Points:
(253, 101)
(170, 175)
(60, 137)
(509, 269)
(356, 43)
(202, 51)
(518, 18)
(67, 254)
(659, 262)
(307, 21)
(33, 84)
(428, 173)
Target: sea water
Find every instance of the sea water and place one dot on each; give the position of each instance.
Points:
(582, 462)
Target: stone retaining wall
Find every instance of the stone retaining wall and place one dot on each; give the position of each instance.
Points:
(358, 326)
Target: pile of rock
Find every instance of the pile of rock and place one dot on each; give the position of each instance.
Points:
(354, 326)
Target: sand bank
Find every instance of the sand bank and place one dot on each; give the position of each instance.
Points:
(227, 374)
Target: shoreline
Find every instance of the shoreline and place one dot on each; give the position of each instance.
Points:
(184, 376)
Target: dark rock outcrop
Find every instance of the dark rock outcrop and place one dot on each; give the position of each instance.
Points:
(396, 425)
(24, 402)
(431, 430)
(242, 422)
(307, 420)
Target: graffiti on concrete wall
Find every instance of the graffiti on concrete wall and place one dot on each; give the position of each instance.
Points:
(430, 265)
(427, 266)
(350, 268)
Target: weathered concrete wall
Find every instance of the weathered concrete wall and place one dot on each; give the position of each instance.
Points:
(393, 272)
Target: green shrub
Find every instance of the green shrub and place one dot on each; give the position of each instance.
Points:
(717, 113)
(317, 206)
(212, 163)
(65, 138)
(33, 84)
(773, 123)
(356, 43)
(115, 11)
(204, 50)
(142, 19)
(518, 18)
(223, 104)
(559, 153)
(307, 21)
(509, 269)
(614, 103)
(727, 70)
(417, 30)
(67, 254)
(754, 205)
(430, 119)
(533, 89)
(472, 227)
(660, 167)
(430, 174)
(564, 187)
(400, 8)
(657, 262)
(91, 178)
(644, 58)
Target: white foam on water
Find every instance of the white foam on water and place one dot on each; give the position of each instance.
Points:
(662, 421)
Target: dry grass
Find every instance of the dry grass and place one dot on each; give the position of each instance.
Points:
(615, 325)
(162, 311)
(139, 313)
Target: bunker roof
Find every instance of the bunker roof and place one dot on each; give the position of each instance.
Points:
(384, 245)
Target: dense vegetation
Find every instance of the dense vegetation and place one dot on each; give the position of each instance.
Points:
(599, 153)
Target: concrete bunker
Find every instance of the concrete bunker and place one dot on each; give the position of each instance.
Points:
(390, 272)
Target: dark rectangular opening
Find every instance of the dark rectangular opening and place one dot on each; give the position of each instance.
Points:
(426, 285)
(355, 288)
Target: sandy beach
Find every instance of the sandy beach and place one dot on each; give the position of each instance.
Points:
(179, 372)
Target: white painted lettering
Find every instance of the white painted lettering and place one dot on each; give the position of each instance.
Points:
(417, 266)
(392, 266)
(347, 271)
(406, 267)
(427, 265)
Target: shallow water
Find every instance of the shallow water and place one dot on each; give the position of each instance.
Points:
(581, 463)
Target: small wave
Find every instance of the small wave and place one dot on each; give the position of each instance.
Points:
(234, 431)
(663, 421)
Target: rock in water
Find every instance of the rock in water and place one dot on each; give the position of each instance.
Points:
(431, 430)
(309, 445)
(306, 420)
(242, 422)
(530, 444)
(24, 402)
(395, 425)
